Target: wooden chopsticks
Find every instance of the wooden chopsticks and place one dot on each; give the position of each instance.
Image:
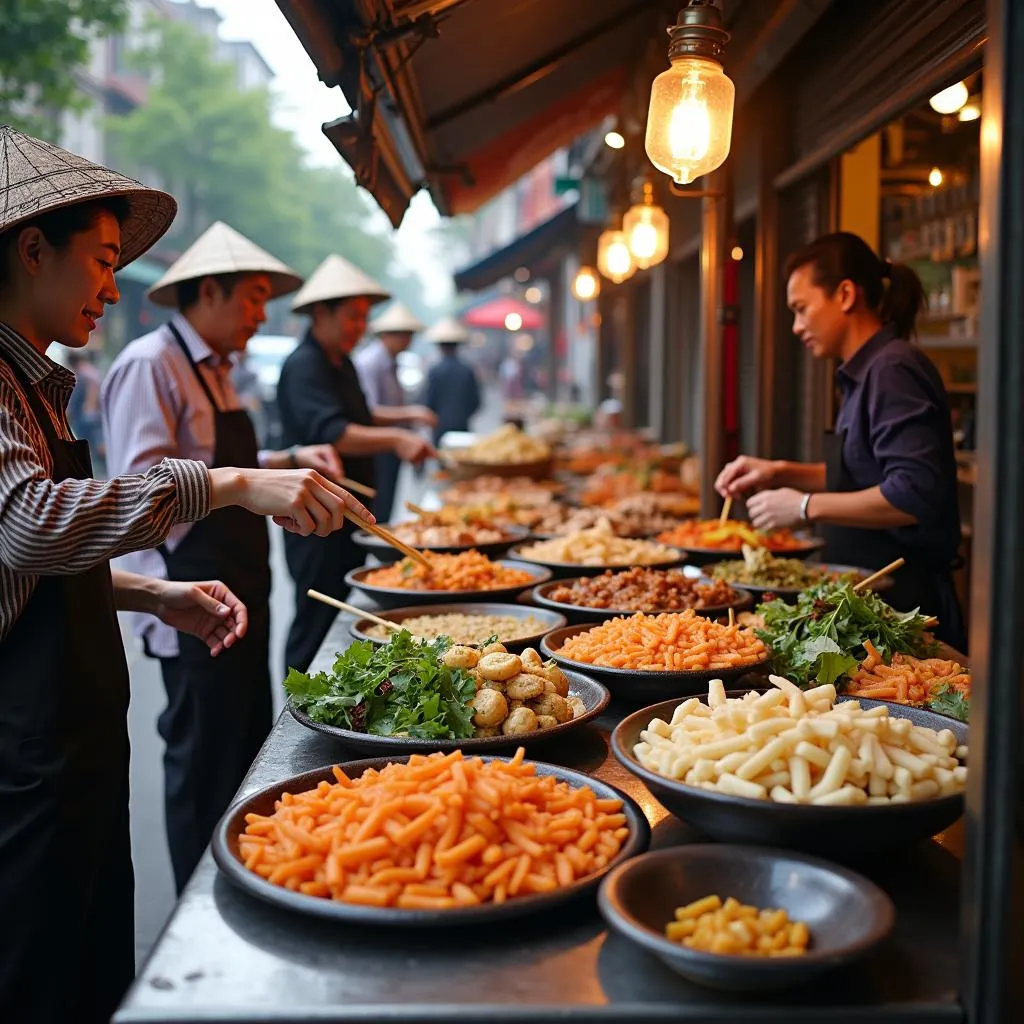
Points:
(389, 538)
(891, 567)
(355, 486)
(726, 509)
(351, 609)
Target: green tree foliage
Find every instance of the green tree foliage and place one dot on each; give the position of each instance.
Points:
(217, 150)
(41, 44)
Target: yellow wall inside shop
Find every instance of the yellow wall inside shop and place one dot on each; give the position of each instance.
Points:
(860, 183)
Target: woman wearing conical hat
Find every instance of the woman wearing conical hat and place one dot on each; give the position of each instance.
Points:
(169, 395)
(65, 861)
(321, 401)
(377, 366)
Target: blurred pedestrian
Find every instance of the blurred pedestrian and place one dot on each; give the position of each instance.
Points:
(453, 391)
(84, 406)
(377, 365)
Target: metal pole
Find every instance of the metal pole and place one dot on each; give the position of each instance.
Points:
(993, 896)
(712, 424)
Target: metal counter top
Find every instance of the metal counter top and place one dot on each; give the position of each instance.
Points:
(225, 956)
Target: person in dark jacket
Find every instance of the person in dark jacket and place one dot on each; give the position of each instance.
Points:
(452, 392)
(887, 487)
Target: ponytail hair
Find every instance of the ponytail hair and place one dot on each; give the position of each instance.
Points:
(892, 290)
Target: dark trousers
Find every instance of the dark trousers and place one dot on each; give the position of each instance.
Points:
(317, 563)
(218, 714)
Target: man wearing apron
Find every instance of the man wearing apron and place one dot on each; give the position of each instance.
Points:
(321, 402)
(887, 488)
(377, 366)
(66, 884)
(169, 394)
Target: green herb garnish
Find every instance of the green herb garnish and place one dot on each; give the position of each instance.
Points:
(821, 638)
(951, 702)
(395, 689)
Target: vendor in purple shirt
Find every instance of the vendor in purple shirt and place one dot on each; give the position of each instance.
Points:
(887, 488)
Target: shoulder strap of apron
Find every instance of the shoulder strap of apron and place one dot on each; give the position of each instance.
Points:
(36, 405)
(176, 334)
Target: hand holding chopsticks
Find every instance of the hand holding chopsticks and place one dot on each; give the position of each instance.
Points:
(389, 538)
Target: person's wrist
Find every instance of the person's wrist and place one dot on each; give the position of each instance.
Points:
(228, 486)
(293, 456)
(806, 513)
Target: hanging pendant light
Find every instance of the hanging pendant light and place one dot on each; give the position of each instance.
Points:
(614, 260)
(586, 284)
(646, 228)
(689, 122)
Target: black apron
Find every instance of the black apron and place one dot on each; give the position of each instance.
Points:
(320, 563)
(67, 942)
(387, 466)
(218, 709)
(922, 582)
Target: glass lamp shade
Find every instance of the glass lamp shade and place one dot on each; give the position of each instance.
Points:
(646, 228)
(689, 123)
(614, 259)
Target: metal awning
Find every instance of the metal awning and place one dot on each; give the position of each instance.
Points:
(465, 96)
(503, 85)
(530, 250)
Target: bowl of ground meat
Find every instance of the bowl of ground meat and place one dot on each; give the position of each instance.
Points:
(596, 598)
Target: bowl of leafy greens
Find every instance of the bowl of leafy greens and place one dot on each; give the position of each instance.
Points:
(399, 697)
(822, 638)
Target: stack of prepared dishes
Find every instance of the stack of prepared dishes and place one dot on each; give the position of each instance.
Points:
(796, 746)
(432, 535)
(507, 445)
(433, 689)
(670, 642)
(468, 571)
(500, 492)
(760, 568)
(465, 628)
(596, 547)
(712, 534)
(605, 488)
(643, 590)
(493, 510)
(561, 521)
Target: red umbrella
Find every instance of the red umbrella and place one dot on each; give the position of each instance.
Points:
(496, 313)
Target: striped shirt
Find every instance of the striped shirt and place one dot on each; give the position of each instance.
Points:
(154, 408)
(59, 529)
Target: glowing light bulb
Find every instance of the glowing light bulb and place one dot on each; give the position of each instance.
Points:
(614, 140)
(513, 321)
(950, 100)
(614, 259)
(586, 285)
(935, 177)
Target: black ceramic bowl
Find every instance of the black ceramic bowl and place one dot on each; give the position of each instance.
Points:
(386, 554)
(835, 831)
(398, 597)
(224, 847)
(846, 914)
(570, 570)
(636, 686)
(590, 691)
(577, 614)
(549, 620)
(790, 594)
(705, 556)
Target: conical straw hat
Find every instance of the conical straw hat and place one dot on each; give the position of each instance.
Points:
(447, 330)
(37, 177)
(396, 319)
(220, 249)
(335, 279)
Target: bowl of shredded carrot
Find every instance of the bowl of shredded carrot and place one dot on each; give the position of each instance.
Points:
(428, 840)
(450, 578)
(651, 657)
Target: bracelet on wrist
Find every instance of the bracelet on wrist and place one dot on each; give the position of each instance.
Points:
(804, 518)
(293, 456)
